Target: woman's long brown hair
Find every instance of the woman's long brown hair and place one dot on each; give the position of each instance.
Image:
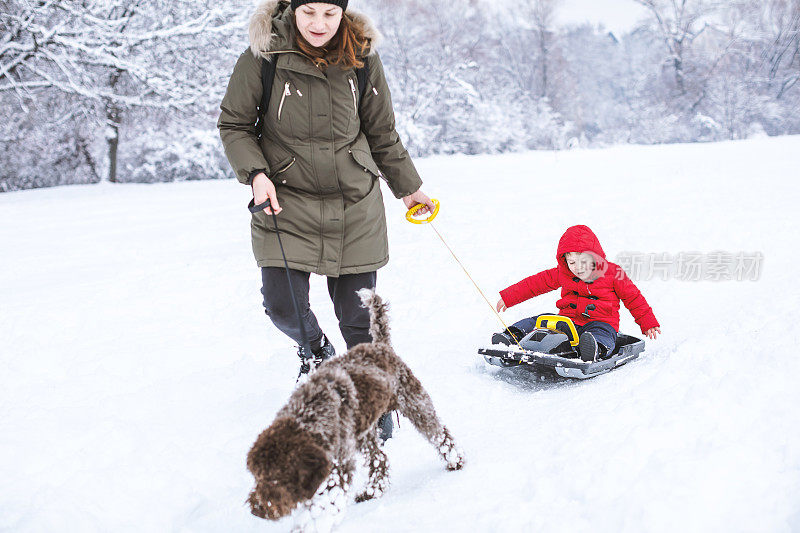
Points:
(343, 50)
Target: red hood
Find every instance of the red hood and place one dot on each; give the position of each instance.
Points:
(581, 239)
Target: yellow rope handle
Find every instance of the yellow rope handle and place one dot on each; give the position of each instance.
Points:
(413, 211)
(409, 217)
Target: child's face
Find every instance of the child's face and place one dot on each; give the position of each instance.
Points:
(580, 264)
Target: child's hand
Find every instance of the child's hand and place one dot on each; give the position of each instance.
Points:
(501, 306)
(652, 333)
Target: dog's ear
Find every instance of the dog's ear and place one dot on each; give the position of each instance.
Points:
(270, 447)
(313, 467)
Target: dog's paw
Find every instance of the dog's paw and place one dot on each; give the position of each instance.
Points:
(372, 492)
(456, 463)
(364, 497)
(452, 454)
(455, 458)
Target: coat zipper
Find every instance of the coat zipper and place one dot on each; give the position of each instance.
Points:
(286, 92)
(285, 168)
(353, 90)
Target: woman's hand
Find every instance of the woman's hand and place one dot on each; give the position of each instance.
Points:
(501, 306)
(263, 188)
(652, 333)
(419, 197)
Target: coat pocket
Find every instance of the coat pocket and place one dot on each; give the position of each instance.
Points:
(365, 161)
(278, 176)
(365, 240)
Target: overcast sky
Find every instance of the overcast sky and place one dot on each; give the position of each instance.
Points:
(617, 15)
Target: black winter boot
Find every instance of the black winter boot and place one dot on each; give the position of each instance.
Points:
(588, 348)
(385, 426)
(509, 336)
(310, 362)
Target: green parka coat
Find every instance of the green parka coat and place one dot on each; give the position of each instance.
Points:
(322, 147)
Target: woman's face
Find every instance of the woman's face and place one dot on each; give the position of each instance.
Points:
(318, 22)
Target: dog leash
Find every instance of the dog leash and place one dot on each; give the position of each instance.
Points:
(429, 221)
(303, 335)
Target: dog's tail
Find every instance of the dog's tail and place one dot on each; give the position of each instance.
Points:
(378, 315)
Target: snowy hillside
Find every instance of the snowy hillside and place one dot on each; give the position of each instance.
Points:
(138, 366)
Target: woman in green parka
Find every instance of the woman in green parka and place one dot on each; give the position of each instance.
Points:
(323, 150)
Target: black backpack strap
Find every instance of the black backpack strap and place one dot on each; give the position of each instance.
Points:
(267, 77)
(362, 75)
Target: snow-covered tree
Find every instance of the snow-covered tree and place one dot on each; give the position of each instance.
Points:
(430, 52)
(112, 57)
(680, 23)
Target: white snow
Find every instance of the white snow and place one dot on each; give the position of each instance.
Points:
(138, 366)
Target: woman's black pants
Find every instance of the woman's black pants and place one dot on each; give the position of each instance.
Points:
(353, 319)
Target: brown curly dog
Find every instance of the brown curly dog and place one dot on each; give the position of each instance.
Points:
(306, 458)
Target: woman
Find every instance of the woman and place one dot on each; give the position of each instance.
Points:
(318, 163)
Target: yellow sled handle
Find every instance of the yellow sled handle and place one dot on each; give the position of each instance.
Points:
(413, 211)
(551, 322)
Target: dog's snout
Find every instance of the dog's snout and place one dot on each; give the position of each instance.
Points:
(255, 506)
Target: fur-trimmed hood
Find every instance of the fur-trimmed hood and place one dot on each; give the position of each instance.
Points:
(270, 27)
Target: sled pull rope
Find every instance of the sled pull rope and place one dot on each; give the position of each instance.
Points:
(429, 221)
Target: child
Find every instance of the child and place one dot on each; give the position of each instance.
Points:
(591, 289)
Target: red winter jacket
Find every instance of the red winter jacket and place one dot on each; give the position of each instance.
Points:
(604, 292)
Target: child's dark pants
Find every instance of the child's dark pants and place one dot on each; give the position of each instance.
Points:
(603, 333)
(353, 319)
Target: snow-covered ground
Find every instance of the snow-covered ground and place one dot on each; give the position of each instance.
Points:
(138, 366)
